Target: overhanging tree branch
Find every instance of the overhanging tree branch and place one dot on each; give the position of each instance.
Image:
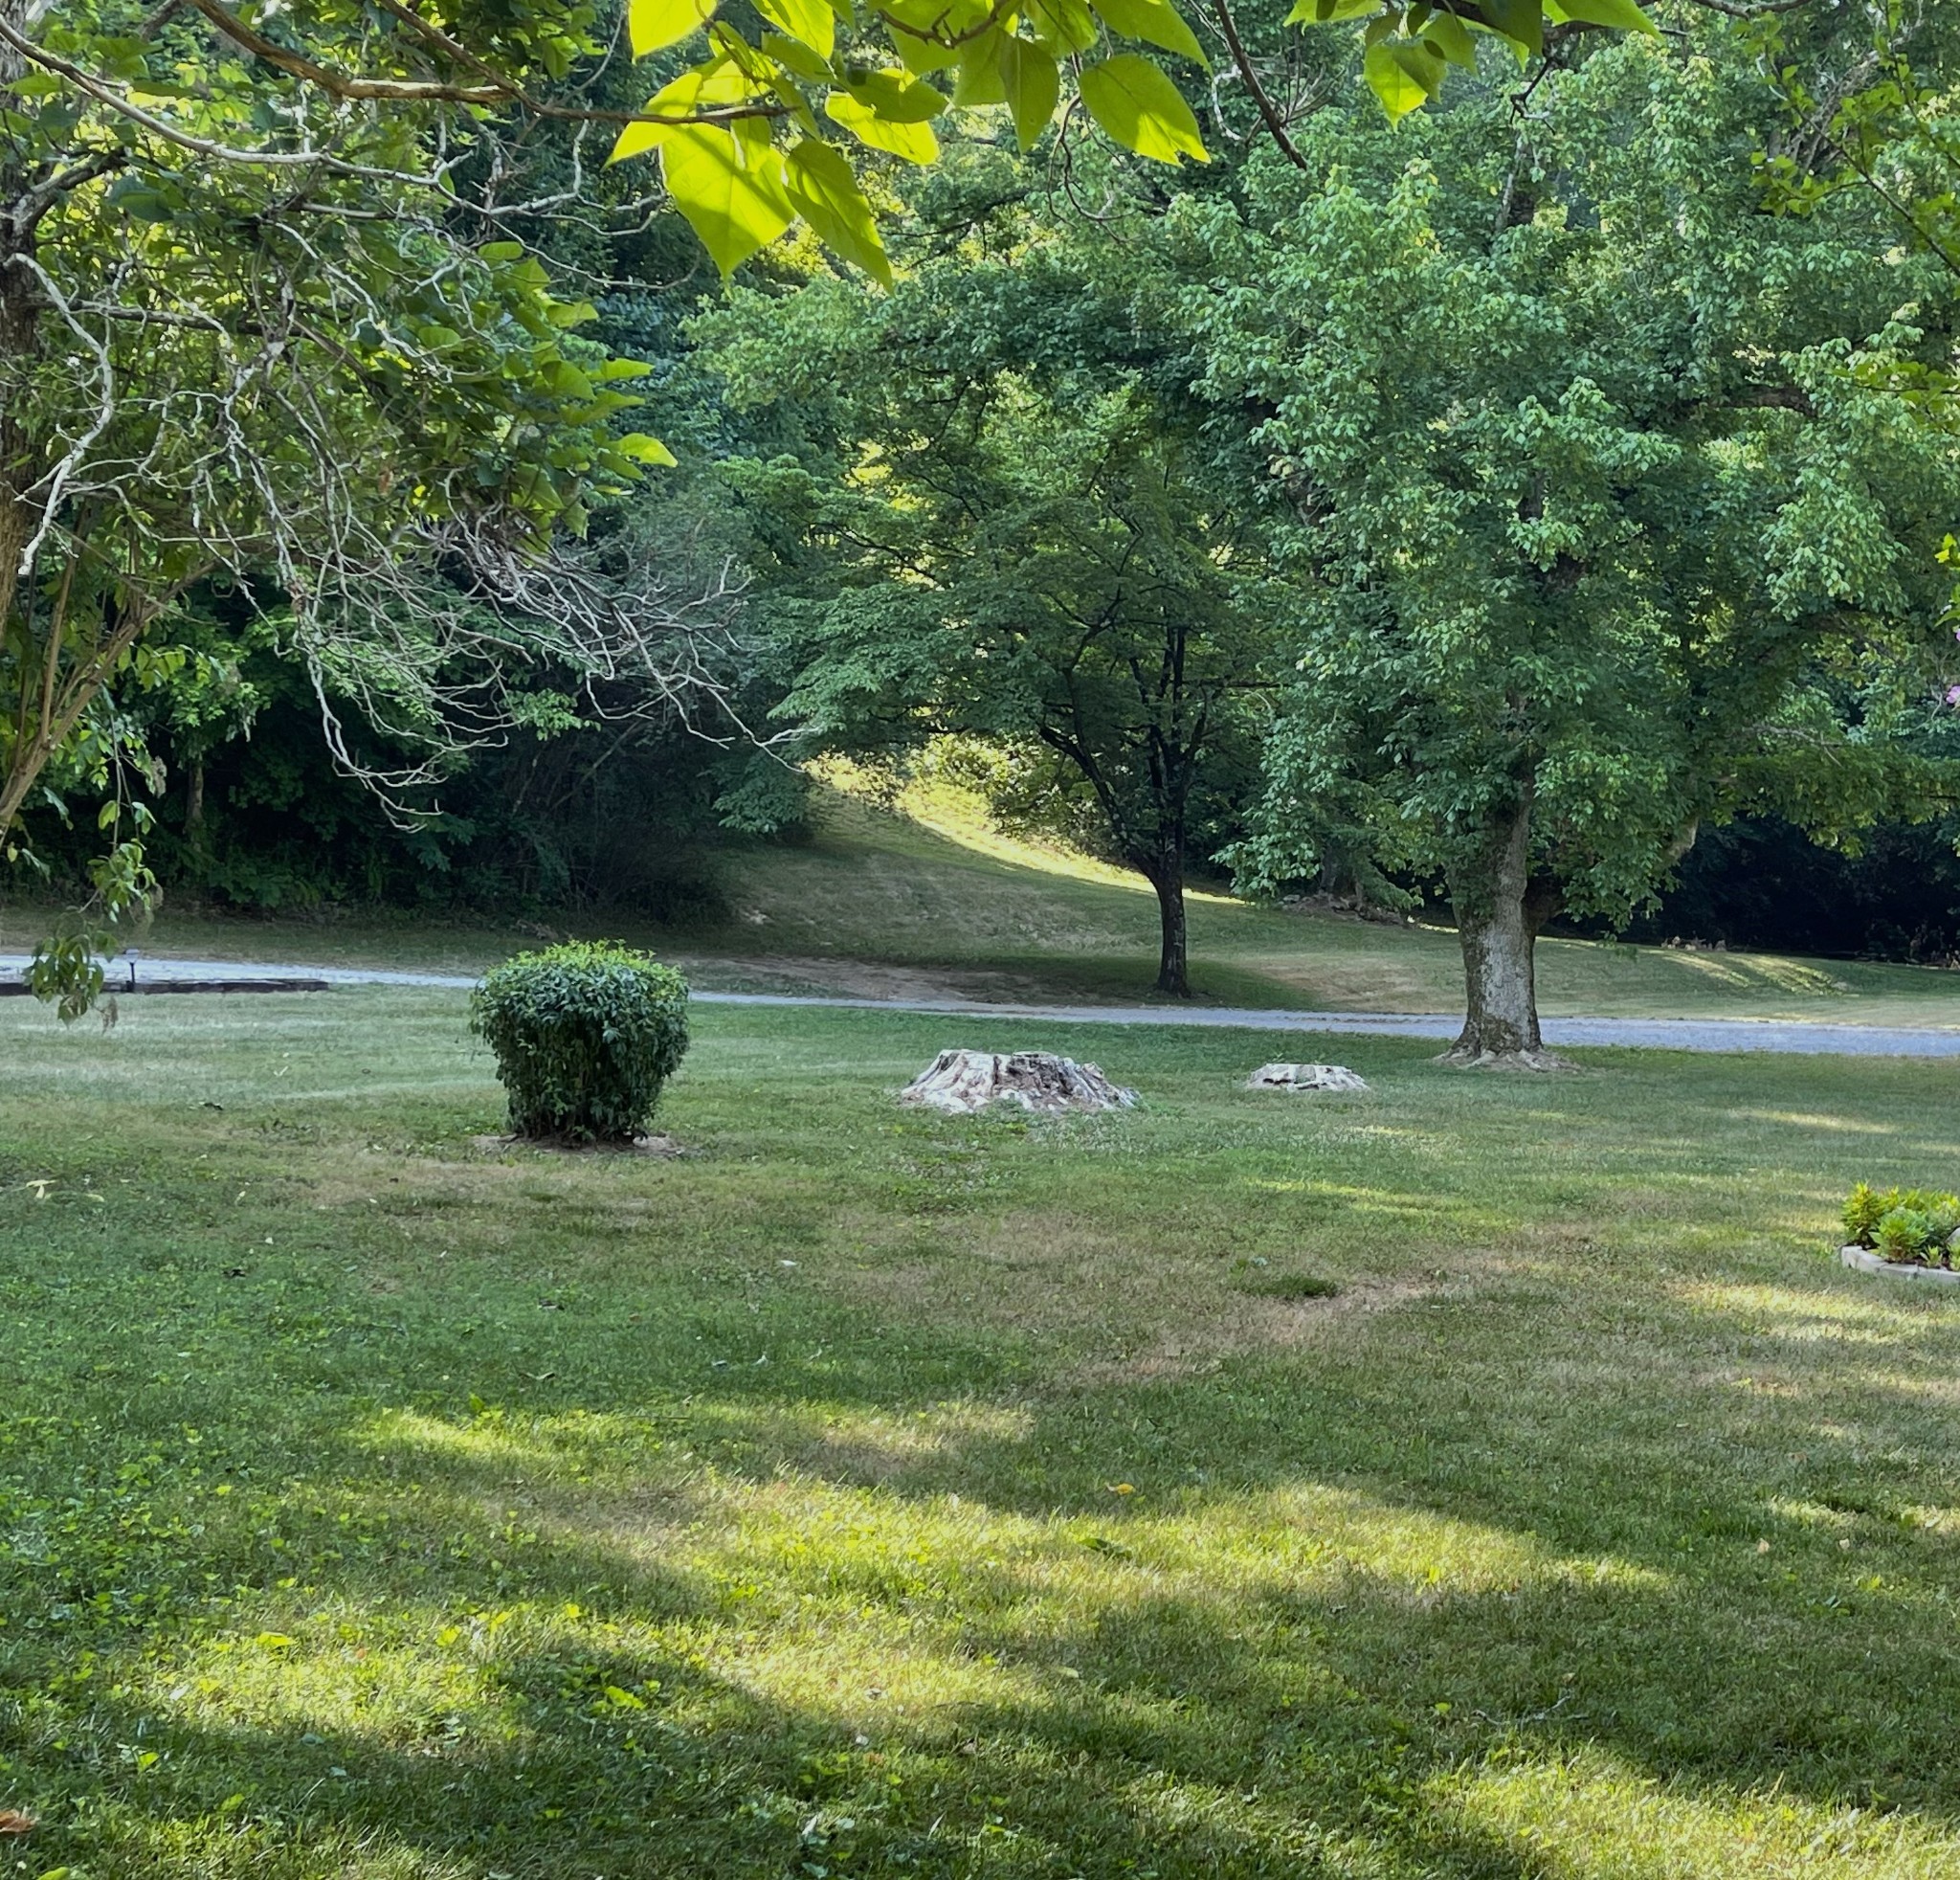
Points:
(1260, 96)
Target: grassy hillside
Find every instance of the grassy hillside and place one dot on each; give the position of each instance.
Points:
(927, 898)
(933, 885)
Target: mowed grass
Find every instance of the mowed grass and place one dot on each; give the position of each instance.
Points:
(872, 1495)
(928, 899)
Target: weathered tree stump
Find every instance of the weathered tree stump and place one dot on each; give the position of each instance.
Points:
(1305, 1076)
(962, 1083)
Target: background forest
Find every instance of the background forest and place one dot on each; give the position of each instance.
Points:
(1176, 508)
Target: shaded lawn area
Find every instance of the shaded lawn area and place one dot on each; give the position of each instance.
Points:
(876, 1495)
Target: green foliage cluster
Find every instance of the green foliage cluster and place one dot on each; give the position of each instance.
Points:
(1054, 559)
(1911, 1226)
(585, 1034)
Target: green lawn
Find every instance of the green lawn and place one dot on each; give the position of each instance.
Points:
(933, 901)
(870, 1494)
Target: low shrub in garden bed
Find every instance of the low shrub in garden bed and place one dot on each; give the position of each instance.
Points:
(1908, 1226)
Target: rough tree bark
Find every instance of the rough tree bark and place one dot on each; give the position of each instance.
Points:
(1499, 912)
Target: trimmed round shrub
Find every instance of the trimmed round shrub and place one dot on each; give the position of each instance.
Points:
(585, 1035)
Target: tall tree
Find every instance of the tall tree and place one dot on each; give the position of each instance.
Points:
(1584, 488)
(1003, 521)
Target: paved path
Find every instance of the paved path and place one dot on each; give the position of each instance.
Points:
(1793, 1037)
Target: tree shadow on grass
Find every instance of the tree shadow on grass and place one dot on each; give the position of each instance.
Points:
(1347, 1653)
(1300, 1733)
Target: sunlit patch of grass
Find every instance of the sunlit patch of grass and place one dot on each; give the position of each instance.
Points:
(1810, 1120)
(1592, 1816)
(1756, 971)
(962, 817)
(1821, 1312)
(383, 1680)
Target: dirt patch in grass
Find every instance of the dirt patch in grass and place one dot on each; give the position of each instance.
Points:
(1167, 1309)
(660, 1148)
(1245, 1324)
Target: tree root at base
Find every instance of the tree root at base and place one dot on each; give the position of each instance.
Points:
(1463, 1058)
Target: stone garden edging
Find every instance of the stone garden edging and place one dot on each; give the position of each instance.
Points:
(1863, 1261)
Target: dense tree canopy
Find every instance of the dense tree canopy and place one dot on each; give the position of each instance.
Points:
(261, 316)
(1601, 497)
(1583, 449)
(1003, 521)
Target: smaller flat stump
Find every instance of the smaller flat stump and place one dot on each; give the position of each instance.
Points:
(964, 1083)
(1862, 1260)
(1305, 1076)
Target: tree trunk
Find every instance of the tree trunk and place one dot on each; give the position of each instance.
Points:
(1165, 874)
(1499, 912)
(196, 840)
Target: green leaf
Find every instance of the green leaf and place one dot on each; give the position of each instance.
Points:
(1156, 23)
(1623, 16)
(642, 449)
(1452, 39)
(1521, 21)
(809, 21)
(826, 195)
(729, 187)
(1391, 80)
(1137, 105)
(980, 81)
(797, 58)
(897, 97)
(1031, 83)
(702, 87)
(919, 29)
(915, 143)
(1422, 62)
(1329, 13)
(1063, 26)
(653, 24)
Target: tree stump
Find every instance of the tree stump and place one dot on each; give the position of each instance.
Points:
(963, 1082)
(1305, 1076)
